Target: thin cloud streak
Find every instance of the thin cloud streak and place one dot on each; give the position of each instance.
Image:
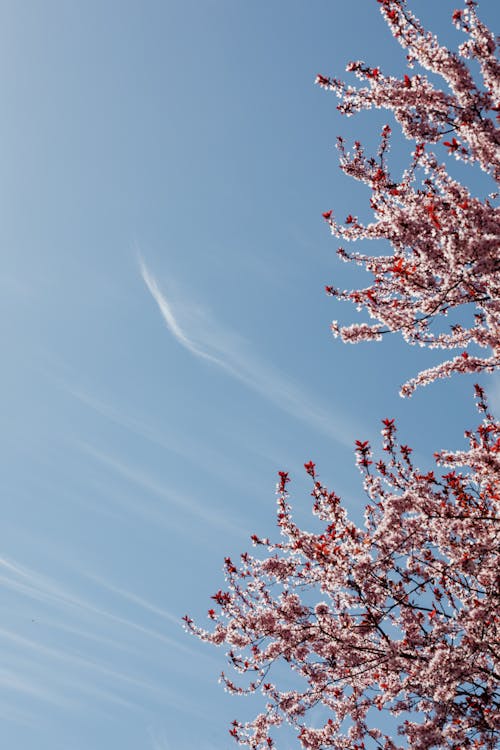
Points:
(71, 670)
(63, 678)
(231, 355)
(12, 681)
(170, 320)
(135, 599)
(212, 461)
(71, 658)
(181, 501)
(40, 588)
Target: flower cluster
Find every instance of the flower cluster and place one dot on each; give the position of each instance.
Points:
(407, 612)
(444, 241)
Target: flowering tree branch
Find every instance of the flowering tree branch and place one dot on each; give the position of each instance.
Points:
(401, 615)
(407, 612)
(444, 240)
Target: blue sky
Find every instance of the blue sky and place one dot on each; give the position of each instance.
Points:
(166, 344)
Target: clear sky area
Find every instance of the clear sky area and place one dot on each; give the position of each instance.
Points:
(166, 343)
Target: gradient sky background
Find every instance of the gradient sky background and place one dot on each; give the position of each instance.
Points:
(168, 162)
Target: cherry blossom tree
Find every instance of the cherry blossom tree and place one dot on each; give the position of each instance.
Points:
(400, 616)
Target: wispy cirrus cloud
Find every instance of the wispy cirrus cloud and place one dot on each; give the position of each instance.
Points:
(187, 446)
(168, 497)
(171, 321)
(130, 596)
(211, 341)
(33, 585)
(41, 666)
